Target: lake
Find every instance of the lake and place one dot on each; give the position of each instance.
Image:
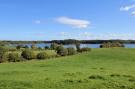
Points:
(82, 45)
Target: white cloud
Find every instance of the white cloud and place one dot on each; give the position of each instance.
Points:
(127, 8)
(133, 13)
(37, 22)
(77, 23)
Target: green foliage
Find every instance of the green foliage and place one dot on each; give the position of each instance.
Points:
(19, 47)
(26, 47)
(14, 57)
(28, 54)
(39, 48)
(42, 55)
(110, 45)
(78, 47)
(54, 46)
(46, 47)
(12, 49)
(61, 51)
(51, 53)
(71, 51)
(3, 50)
(33, 46)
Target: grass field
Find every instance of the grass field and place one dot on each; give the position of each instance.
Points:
(100, 69)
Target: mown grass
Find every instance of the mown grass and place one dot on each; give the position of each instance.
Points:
(100, 69)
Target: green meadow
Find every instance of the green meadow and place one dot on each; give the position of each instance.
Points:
(112, 68)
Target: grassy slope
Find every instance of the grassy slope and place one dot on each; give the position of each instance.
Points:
(110, 68)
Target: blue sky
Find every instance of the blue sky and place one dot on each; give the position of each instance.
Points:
(67, 19)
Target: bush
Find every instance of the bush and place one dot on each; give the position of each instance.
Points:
(14, 57)
(51, 53)
(12, 49)
(46, 47)
(26, 47)
(33, 46)
(28, 54)
(3, 50)
(19, 47)
(42, 55)
(78, 47)
(71, 51)
(85, 49)
(39, 48)
(111, 45)
(54, 46)
(62, 51)
(47, 54)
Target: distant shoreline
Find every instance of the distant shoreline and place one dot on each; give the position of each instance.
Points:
(68, 41)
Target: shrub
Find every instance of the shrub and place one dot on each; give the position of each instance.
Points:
(46, 47)
(42, 55)
(111, 44)
(71, 51)
(51, 53)
(12, 49)
(39, 48)
(3, 43)
(33, 46)
(78, 47)
(61, 51)
(54, 46)
(85, 49)
(28, 54)
(26, 47)
(3, 50)
(47, 54)
(19, 47)
(14, 57)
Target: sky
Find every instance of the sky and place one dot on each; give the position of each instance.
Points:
(67, 19)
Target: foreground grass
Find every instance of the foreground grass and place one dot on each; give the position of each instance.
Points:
(100, 69)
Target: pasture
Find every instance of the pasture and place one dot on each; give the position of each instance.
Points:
(112, 68)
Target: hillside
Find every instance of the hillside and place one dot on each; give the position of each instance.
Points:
(100, 69)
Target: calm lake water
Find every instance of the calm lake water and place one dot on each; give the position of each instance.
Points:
(82, 45)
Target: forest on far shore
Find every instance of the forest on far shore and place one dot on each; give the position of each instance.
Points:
(67, 41)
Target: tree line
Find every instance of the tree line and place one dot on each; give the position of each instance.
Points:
(67, 41)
